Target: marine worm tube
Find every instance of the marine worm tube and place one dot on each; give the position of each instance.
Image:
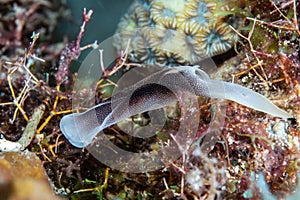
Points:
(157, 91)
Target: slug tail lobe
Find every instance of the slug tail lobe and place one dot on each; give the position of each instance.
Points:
(254, 100)
(81, 128)
(69, 130)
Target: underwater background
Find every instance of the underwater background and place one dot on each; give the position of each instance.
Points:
(103, 24)
(256, 156)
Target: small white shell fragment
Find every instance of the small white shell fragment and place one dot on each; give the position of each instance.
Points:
(8, 146)
(278, 131)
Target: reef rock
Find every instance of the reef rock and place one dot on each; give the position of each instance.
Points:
(22, 177)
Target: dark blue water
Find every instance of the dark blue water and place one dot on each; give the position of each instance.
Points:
(107, 14)
(102, 25)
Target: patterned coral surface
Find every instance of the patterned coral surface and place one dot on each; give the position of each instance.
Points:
(169, 32)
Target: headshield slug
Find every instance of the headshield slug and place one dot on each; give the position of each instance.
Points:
(157, 91)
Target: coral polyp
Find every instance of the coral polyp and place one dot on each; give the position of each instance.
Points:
(216, 39)
(199, 12)
(166, 10)
(189, 30)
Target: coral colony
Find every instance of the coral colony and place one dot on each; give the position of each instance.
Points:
(170, 32)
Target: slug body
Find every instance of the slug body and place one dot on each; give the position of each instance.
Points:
(154, 92)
